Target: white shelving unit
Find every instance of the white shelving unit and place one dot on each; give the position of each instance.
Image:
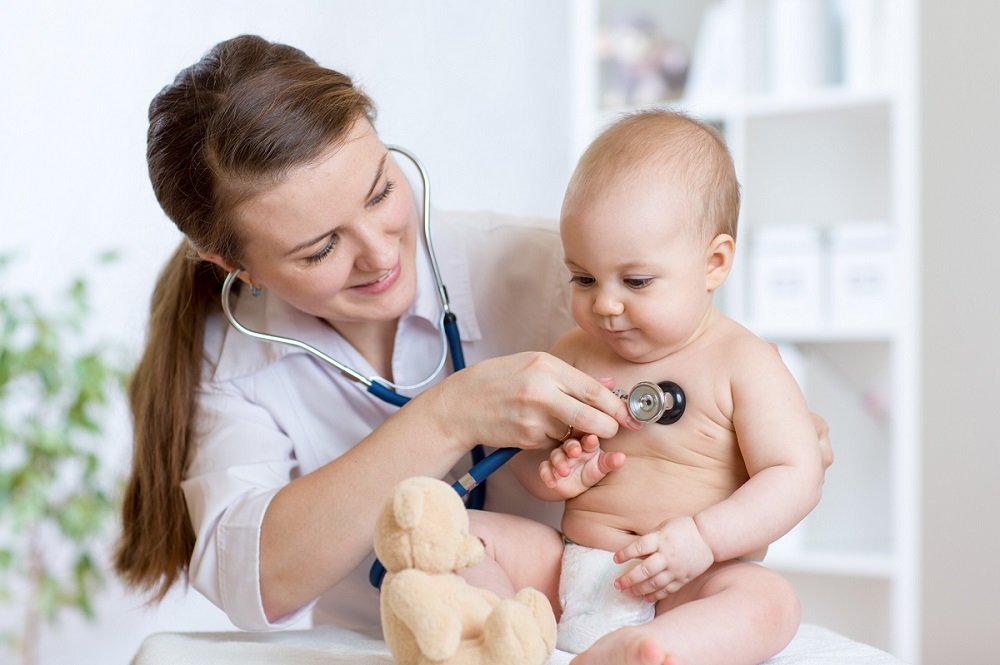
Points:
(821, 138)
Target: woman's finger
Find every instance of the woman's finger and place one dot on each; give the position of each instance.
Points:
(592, 407)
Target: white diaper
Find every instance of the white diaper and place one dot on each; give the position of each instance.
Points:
(591, 606)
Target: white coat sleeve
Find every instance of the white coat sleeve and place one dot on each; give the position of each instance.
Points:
(241, 462)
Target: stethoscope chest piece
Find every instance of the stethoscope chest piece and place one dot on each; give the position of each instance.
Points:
(661, 402)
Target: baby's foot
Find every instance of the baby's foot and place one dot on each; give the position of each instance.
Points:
(625, 647)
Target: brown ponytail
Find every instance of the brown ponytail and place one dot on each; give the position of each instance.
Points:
(228, 127)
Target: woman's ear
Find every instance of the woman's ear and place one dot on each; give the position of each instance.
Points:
(225, 265)
(719, 260)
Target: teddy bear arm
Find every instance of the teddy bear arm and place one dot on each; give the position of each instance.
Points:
(421, 605)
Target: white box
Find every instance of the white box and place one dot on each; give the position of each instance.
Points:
(786, 277)
(862, 275)
(799, 45)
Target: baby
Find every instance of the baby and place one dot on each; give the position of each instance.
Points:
(661, 524)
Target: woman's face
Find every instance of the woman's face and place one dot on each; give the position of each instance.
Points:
(337, 238)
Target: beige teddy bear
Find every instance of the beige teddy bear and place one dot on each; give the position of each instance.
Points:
(430, 614)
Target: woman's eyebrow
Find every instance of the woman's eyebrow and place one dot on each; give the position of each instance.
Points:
(378, 175)
(313, 241)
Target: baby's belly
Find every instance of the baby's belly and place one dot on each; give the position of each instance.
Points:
(637, 498)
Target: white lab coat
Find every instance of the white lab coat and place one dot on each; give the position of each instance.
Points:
(269, 413)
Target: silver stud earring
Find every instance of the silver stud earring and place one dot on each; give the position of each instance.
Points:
(254, 290)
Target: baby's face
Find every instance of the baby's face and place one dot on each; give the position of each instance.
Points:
(637, 267)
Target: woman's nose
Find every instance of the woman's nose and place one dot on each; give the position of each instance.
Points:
(377, 250)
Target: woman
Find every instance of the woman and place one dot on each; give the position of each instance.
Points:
(258, 471)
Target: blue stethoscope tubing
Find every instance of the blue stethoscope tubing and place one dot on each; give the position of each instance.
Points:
(473, 483)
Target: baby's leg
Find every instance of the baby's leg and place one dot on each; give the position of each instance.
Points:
(736, 613)
(519, 553)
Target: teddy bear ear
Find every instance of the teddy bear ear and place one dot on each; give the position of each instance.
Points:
(408, 505)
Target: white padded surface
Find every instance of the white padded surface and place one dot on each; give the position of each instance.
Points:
(812, 645)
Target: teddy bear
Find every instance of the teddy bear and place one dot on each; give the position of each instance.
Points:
(429, 613)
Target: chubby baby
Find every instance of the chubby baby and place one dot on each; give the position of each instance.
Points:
(662, 524)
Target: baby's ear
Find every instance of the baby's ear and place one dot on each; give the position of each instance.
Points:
(719, 260)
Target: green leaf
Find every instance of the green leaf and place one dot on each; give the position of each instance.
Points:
(55, 390)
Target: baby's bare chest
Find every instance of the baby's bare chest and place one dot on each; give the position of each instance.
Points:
(688, 465)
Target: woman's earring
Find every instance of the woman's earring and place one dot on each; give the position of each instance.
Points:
(254, 290)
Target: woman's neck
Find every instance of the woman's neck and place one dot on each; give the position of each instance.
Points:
(374, 340)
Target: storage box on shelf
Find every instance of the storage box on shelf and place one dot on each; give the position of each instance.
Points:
(821, 254)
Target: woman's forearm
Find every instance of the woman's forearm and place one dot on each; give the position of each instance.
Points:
(319, 527)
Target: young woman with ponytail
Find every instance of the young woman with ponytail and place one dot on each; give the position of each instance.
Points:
(257, 472)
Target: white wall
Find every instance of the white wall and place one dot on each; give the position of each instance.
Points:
(480, 90)
(960, 138)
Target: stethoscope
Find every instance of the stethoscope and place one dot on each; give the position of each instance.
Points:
(661, 402)
(473, 482)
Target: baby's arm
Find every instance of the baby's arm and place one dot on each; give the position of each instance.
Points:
(780, 447)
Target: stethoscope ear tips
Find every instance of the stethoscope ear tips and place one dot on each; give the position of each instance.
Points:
(661, 402)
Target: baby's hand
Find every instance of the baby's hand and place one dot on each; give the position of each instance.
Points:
(577, 465)
(670, 557)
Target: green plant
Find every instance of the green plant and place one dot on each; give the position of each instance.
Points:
(56, 489)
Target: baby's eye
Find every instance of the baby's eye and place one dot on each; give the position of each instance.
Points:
(638, 282)
(582, 280)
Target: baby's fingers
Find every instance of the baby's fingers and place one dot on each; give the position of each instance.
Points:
(646, 576)
(638, 548)
(662, 593)
(608, 462)
(589, 443)
(572, 448)
(548, 474)
(560, 462)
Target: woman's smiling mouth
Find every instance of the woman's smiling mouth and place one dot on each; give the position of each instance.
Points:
(381, 284)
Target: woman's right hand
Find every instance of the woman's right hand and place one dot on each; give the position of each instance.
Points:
(529, 400)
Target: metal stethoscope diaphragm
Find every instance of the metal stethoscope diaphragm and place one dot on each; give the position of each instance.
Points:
(661, 402)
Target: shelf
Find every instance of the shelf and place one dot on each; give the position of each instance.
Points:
(816, 150)
(879, 566)
(822, 335)
(728, 106)
(823, 100)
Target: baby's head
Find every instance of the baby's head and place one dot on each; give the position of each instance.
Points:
(663, 149)
(648, 227)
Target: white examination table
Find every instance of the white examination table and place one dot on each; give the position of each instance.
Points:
(326, 645)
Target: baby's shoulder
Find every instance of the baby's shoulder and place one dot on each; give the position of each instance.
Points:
(741, 349)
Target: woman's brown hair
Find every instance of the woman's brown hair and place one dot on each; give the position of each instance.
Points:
(228, 127)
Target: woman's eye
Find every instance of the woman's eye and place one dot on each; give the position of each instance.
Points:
(638, 282)
(582, 280)
(323, 253)
(384, 194)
